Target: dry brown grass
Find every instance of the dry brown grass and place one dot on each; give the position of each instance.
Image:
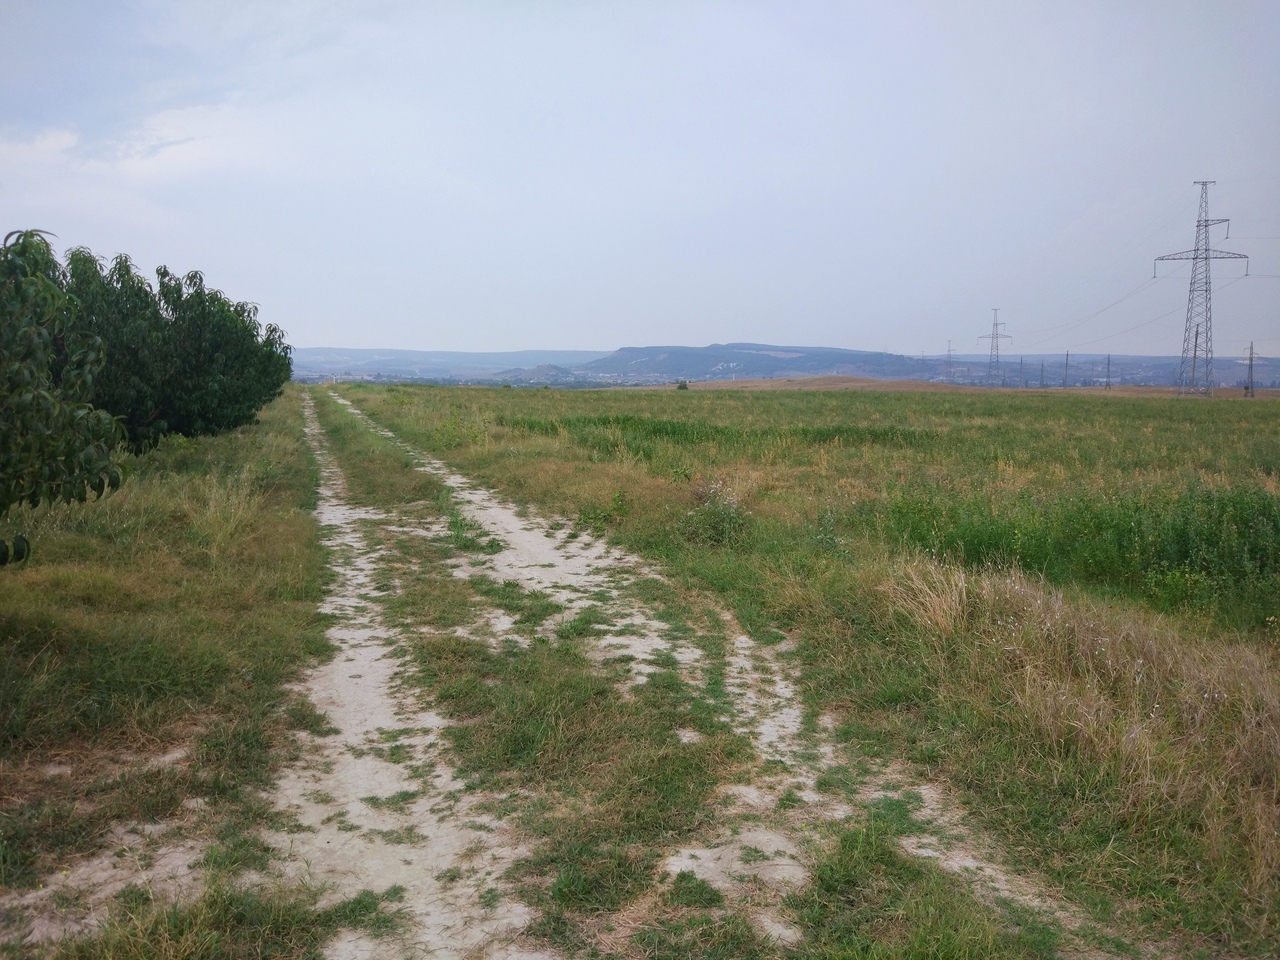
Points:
(1190, 729)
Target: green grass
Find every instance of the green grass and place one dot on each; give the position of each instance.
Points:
(169, 614)
(1207, 549)
(386, 474)
(531, 608)
(690, 890)
(975, 476)
(867, 899)
(704, 937)
(543, 718)
(227, 922)
(1111, 713)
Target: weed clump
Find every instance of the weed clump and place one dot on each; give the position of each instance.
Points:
(716, 519)
(867, 878)
(597, 519)
(595, 878)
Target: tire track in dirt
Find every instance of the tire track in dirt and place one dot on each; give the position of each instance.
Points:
(755, 868)
(376, 805)
(574, 570)
(762, 850)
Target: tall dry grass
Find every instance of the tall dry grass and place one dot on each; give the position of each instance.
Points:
(1188, 731)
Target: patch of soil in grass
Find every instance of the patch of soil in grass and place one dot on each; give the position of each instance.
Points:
(374, 805)
(138, 858)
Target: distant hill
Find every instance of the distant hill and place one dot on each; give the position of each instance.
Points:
(311, 363)
(749, 361)
(724, 361)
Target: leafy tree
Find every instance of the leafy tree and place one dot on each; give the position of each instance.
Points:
(54, 446)
(118, 306)
(181, 358)
(227, 366)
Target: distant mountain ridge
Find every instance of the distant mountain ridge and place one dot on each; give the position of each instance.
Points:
(723, 361)
(747, 361)
(314, 362)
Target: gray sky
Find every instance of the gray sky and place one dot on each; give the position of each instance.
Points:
(509, 175)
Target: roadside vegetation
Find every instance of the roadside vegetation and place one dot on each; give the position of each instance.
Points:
(1064, 606)
(92, 361)
(54, 446)
(146, 649)
(179, 356)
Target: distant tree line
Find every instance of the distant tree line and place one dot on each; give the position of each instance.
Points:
(94, 359)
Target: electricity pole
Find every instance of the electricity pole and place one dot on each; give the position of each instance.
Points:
(1197, 337)
(1249, 389)
(1066, 364)
(995, 336)
(1108, 371)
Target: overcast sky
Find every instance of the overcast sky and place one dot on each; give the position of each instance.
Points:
(508, 175)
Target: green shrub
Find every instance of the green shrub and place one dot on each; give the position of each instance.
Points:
(717, 519)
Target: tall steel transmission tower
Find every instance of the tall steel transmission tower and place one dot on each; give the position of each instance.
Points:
(1195, 375)
(995, 336)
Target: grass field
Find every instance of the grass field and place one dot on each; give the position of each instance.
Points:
(1064, 605)
(163, 618)
(1065, 608)
(596, 772)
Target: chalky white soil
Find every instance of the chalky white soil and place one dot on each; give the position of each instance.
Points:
(370, 817)
(77, 898)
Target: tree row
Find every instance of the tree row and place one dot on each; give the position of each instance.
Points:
(94, 359)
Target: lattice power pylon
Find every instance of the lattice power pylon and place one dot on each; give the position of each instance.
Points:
(995, 336)
(1195, 375)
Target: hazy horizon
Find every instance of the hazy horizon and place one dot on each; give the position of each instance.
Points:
(970, 355)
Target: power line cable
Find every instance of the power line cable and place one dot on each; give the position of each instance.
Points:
(1166, 216)
(1145, 323)
(1163, 218)
(1072, 324)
